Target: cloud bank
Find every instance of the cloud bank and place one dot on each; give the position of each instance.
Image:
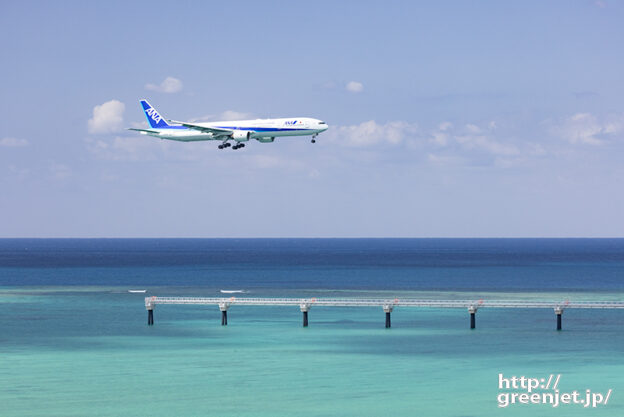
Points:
(225, 116)
(371, 133)
(585, 128)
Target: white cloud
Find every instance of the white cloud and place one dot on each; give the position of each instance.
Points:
(371, 132)
(107, 117)
(476, 138)
(168, 85)
(585, 128)
(470, 137)
(225, 116)
(10, 142)
(470, 128)
(354, 87)
(234, 115)
(440, 136)
(455, 141)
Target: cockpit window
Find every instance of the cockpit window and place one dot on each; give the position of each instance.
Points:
(322, 123)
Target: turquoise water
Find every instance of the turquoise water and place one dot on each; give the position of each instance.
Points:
(70, 349)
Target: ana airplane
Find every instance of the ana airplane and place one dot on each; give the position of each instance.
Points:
(237, 131)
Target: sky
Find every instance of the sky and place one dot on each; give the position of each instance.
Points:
(447, 118)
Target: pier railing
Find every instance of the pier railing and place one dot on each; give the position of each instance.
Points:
(224, 303)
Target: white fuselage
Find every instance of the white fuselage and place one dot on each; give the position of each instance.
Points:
(244, 130)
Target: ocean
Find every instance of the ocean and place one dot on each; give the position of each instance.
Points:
(75, 342)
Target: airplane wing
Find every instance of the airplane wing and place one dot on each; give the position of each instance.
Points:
(215, 131)
(144, 130)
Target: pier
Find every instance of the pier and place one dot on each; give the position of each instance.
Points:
(387, 305)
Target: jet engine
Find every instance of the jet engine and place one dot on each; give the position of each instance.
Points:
(265, 140)
(241, 136)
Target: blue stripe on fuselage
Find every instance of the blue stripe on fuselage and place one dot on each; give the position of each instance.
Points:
(261, 129)
(255, 129)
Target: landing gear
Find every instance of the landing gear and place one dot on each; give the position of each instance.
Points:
(314, 138)
(227, 145)
(313, 141)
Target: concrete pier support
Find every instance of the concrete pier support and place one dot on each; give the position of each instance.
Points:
(304, 309)
(149, 306)
(473, 312)
(224, 308)
(388, 310)
(558, 312)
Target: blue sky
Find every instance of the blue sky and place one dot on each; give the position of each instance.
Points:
(447, 119)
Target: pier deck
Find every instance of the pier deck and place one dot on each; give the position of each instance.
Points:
(380, 302)
(224, 303)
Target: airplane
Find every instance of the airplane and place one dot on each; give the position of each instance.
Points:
(237, 131)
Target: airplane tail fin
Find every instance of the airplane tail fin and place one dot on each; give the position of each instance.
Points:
(155, 120)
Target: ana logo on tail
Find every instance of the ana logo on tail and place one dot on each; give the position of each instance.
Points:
(154, 115)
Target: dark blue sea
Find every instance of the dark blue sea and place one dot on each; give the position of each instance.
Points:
(290, 264)
(74, 341)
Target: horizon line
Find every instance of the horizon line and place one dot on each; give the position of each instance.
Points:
(317, 237)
